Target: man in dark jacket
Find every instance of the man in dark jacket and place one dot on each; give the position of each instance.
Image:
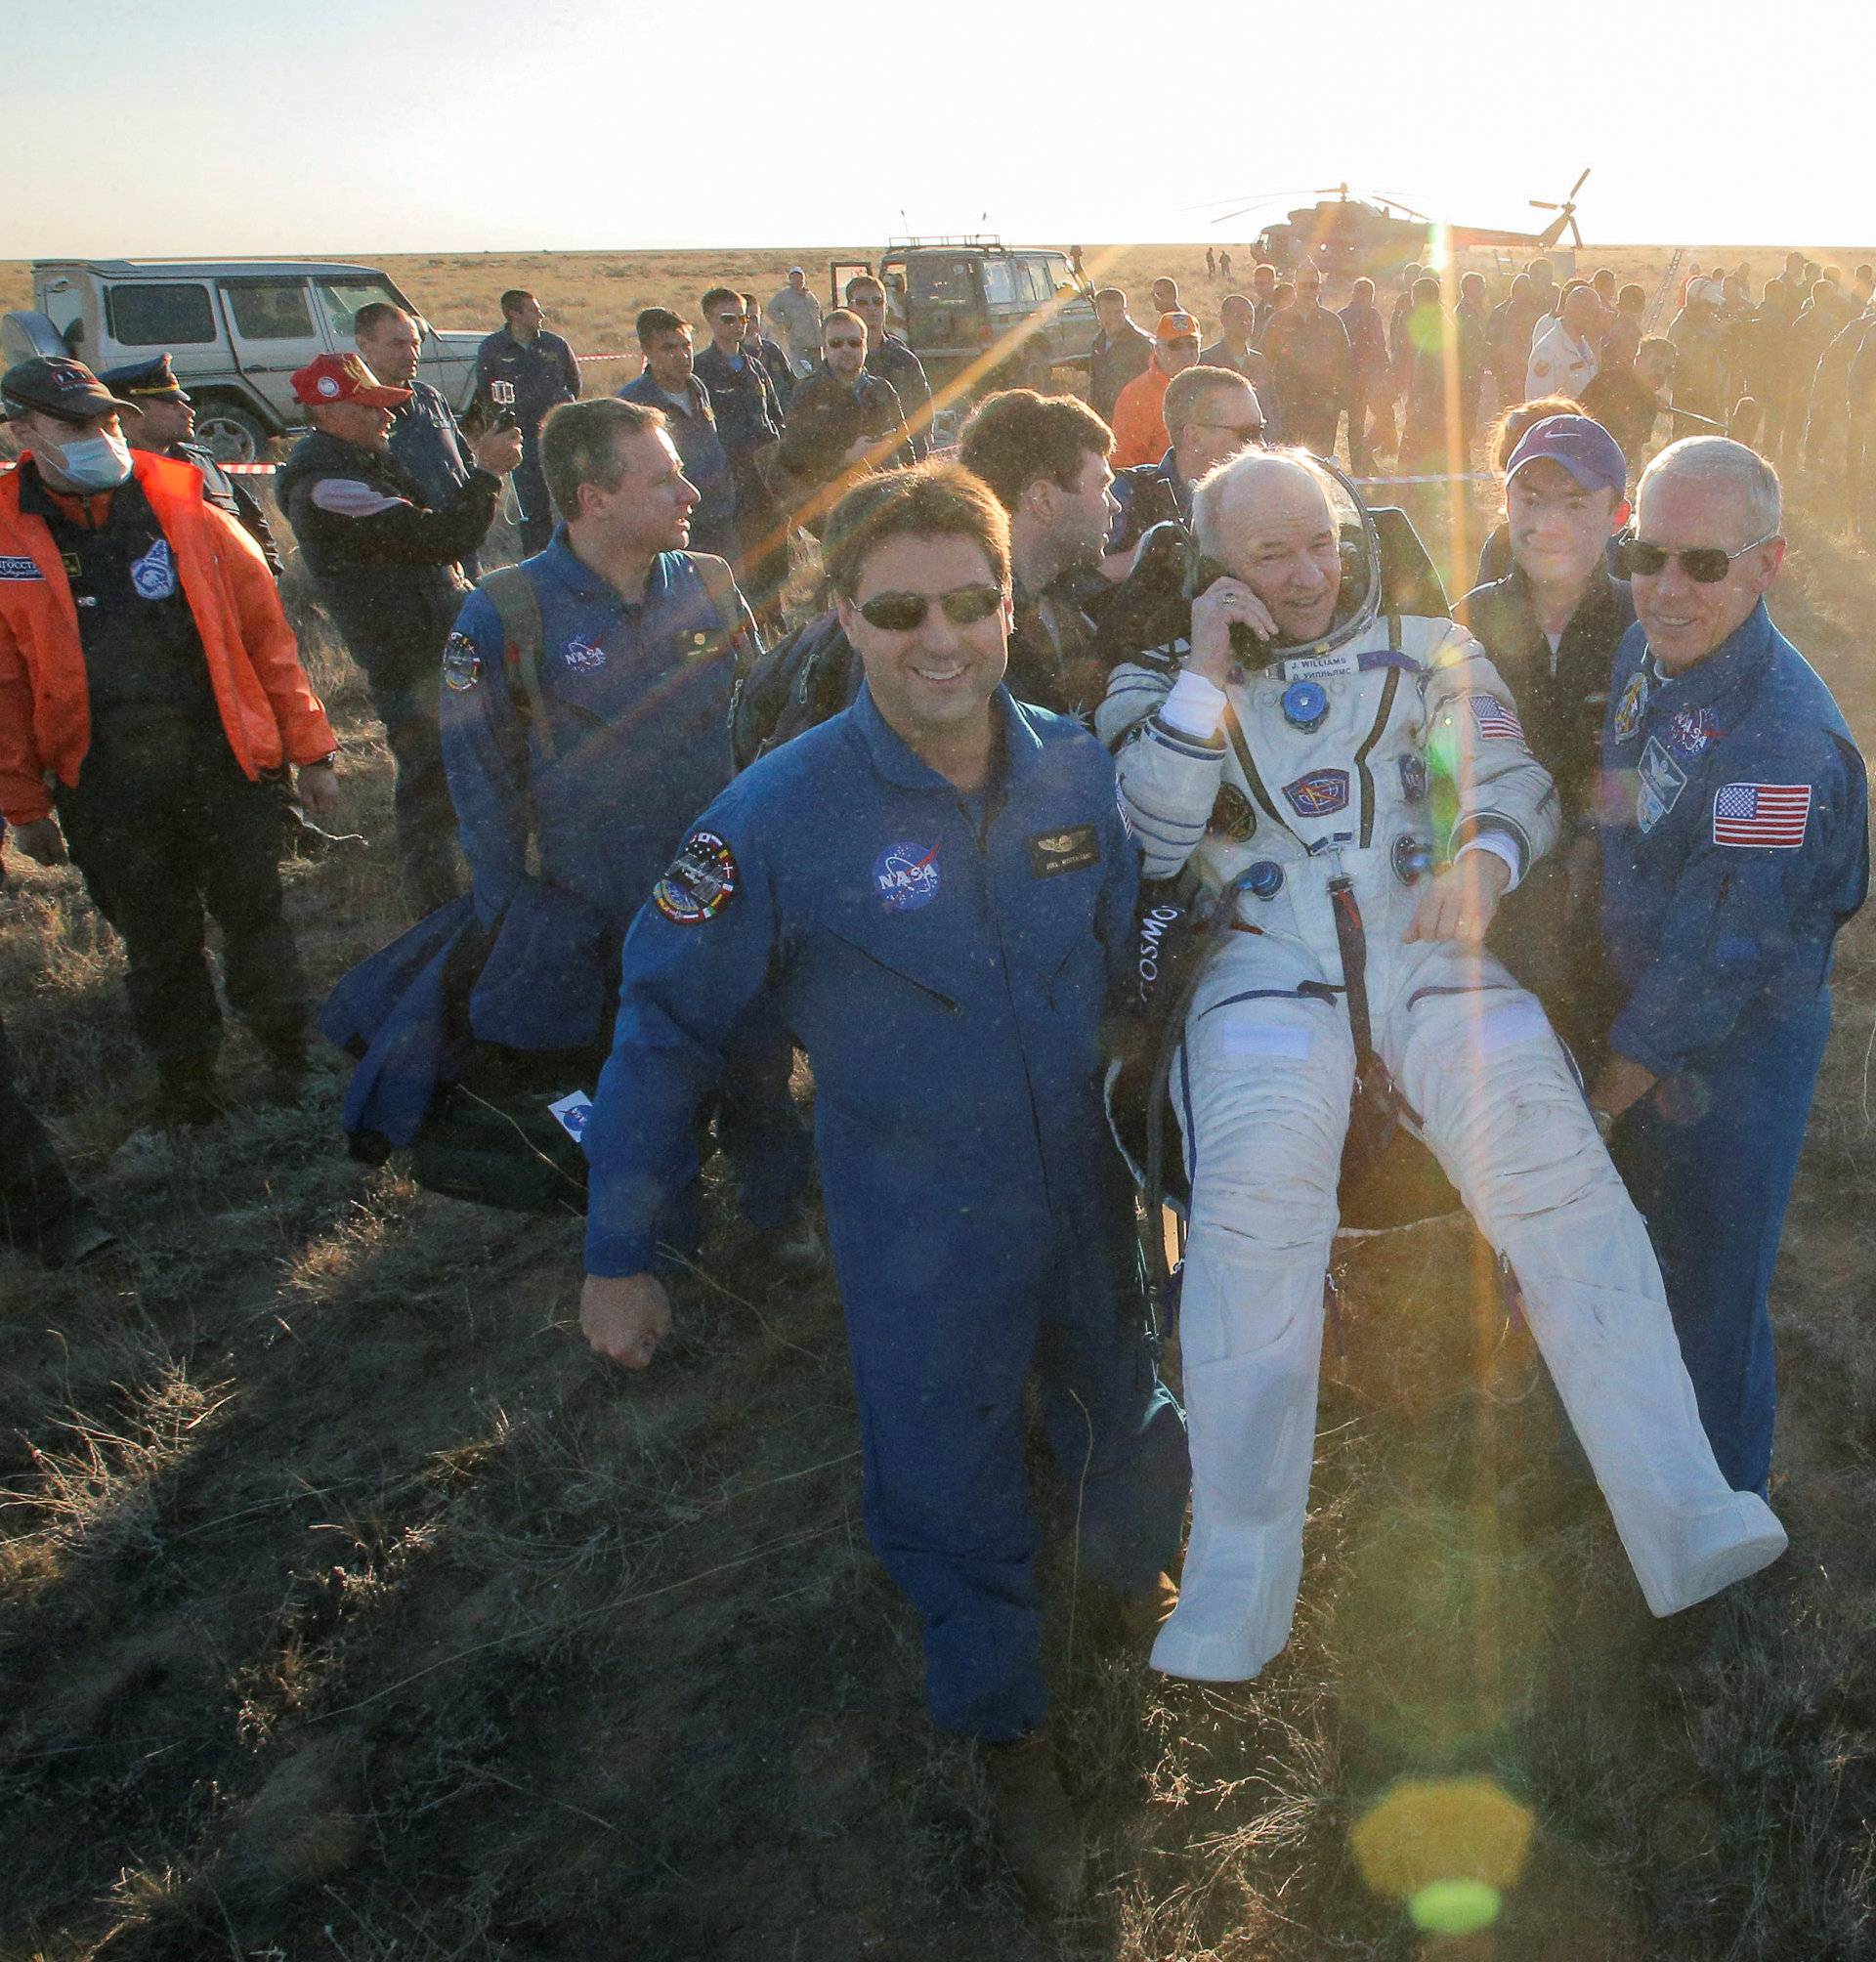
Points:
(386, 564)
(1307, 349)
(889, 358)
(842, 423)
(165, 428)
(523, 368)
(1045, 456)
(424, 437)
(1369, 375)
(1121, 351)
(1552, 627)
(745, 401)
(759, 346)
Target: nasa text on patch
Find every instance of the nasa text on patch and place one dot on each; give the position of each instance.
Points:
(906, 875)
(1072, 851)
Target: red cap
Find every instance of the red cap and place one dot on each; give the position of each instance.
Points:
(1178, 327)
(344, 378)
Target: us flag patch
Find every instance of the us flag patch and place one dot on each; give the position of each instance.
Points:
(1769, 816)
(1496, 719)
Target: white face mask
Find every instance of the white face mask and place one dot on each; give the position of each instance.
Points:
(94, 462)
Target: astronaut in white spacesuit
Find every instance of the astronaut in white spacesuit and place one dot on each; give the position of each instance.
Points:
(1357, 789)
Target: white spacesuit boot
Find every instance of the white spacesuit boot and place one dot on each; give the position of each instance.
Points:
(1263, 1102)
(1503, 1110)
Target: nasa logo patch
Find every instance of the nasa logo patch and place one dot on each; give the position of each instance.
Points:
(461, 664)
(905, 876)
(154, 574)
(585, 656)
(1319, 795)
(1689, 731)
(700, 882)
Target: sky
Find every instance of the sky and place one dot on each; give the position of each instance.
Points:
(253, 127)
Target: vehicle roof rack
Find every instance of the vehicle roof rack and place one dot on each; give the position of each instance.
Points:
(983, 241)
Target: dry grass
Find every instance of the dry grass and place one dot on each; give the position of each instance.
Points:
(348, 1610)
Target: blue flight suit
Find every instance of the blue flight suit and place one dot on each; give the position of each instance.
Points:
(1720, 906)
(943, 959)
(637, 700)
(543, 374)
(705, 461)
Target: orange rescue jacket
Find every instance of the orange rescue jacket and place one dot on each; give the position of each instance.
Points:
(268, 709)
(1140, 418)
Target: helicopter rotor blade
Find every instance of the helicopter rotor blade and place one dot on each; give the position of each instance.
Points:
(1543, 204)
(1576, 234)
(1578, 184)
(1401, 204)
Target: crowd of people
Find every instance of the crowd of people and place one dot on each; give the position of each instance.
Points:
(1412, 377)
(1135, 658)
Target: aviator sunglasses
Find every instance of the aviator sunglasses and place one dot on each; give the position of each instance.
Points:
(1704, 565)
(900, 612)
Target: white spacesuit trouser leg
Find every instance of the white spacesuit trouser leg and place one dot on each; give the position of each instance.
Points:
(1502, 1111)
(1263, 1092)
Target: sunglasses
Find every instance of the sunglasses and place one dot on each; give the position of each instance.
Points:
(732, 319)
(900, 612)
(1704, 565)
(1245, 432)
(845, 343)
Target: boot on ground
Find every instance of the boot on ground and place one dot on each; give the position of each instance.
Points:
(1033, 1823)
(187, 1095)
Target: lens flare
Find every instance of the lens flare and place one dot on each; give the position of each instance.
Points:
(1448, 1849)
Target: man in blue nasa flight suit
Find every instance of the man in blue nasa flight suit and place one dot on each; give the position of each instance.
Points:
(937, 885)
(595, 752)
(1736, 844)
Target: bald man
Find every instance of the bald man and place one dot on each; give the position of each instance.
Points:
(1359, 796)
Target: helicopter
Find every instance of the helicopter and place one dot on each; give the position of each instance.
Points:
(1379, 234)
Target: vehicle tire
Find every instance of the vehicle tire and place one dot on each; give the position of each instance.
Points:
(228, 432)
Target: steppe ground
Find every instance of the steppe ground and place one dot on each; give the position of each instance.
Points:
(352, 1612)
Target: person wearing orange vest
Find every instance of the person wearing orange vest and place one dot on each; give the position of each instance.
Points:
(149, 679)
(1139, 420)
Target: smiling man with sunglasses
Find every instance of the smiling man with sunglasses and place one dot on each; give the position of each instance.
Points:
(934, 887)
(1734, 830)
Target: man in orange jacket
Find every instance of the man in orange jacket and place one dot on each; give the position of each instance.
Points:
(1139, 422)
(148, 678)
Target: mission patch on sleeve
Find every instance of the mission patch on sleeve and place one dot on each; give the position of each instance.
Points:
(700, 882)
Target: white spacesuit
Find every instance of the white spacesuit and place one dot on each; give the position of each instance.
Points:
(1327, 782)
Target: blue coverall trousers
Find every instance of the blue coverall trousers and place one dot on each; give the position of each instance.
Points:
(1709, 1158)
(940, 1360)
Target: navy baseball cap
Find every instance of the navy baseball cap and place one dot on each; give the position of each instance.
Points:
(1584, 449)
(59, 386)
